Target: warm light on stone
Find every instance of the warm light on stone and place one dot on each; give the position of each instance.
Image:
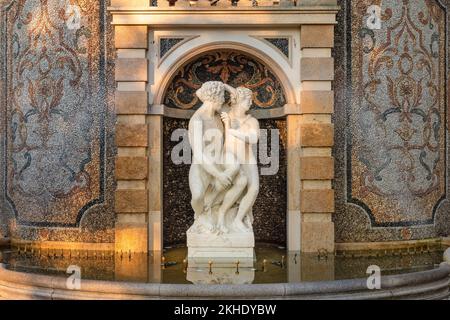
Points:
(253, 149)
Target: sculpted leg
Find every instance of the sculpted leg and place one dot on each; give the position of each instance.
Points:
(198, 182)
(231, 167)
(249, 199)
(230, 199)
(211, 198)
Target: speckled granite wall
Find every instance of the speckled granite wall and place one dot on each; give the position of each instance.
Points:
(270, 207)
(391, 117)
(56, 121)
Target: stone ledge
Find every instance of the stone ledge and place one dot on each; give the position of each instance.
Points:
(242, 16)
(317, 36)
(132, 201)
(134, 69)
(130, 37)
(131, 168)
(317, 102)
(317, 69)
(131, 102)
(131, 135)
(388, 245)
(61, 245)
(316, 168)
(317, 201)
(317, 135)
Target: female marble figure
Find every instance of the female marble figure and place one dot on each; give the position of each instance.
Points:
(241, 132)
(225, 186)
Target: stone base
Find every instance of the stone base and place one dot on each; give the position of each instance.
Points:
(232, 245)
(212, 252)
(220, 275)
(223, 263)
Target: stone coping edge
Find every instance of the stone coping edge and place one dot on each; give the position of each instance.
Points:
(389, 245)
(23, 285)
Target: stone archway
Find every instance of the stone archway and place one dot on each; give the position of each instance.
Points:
(144, 69)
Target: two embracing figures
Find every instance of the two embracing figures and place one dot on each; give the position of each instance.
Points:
(223, 178)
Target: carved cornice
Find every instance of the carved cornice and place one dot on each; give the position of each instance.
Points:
(235, 16)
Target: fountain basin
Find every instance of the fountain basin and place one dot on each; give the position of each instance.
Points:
(272, 264)
(26, 274)
(430, 284)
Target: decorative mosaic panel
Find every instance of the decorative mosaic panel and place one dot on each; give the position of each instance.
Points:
(231, 67)
(399, 113)
(391, 139)
(56, 115)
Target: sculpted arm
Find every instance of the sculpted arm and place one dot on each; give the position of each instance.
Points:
(230, 89)
(251, 135)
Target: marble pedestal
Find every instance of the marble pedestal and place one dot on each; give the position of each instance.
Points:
(221, 259)
(230, 246)
(220, 275)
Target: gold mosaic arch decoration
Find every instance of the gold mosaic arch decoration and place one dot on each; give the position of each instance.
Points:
(231, 66)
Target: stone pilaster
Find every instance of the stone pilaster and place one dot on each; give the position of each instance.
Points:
(294, 182)
(155, 123)
(317, 139)
(131, 102)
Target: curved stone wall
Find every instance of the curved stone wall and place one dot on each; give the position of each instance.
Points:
(391, 127)
(391, 122)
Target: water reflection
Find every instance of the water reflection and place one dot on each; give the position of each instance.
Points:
(272, 265)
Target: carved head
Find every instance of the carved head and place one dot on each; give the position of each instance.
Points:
(243, 97)
(212, 92)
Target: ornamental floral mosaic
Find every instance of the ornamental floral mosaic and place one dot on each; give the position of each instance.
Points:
(397, 117)
(231, 67)
(55, 112)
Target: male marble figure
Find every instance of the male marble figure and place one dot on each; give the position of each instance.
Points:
(205, 137)
(223, 179)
